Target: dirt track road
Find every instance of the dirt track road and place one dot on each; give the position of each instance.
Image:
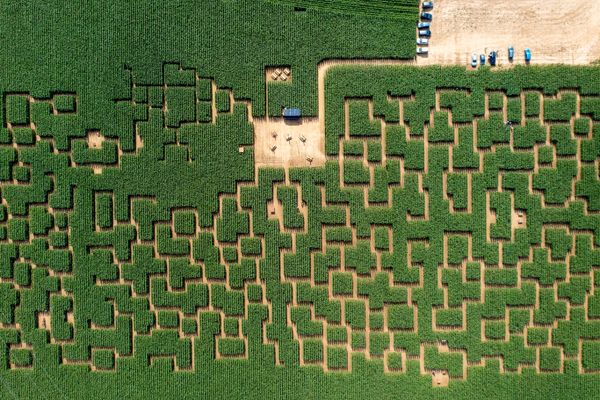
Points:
(556, 31)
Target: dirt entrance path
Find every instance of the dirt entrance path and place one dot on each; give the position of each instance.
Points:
(556, 31)
(324, 66)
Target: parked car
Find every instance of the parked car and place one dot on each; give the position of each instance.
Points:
(492, 57)
(424, 32)
(474, 60)
(427, 5)
(426, 16)
(422, 41)
(482, 59)
(527, 55)
(511, 53)
(423, 25)
(422, 50)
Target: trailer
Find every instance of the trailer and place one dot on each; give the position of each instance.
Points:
(291, 113)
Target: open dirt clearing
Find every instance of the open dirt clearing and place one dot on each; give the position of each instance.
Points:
(556, 31)
(279, 143)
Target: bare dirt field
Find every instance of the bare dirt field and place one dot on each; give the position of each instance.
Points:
(283, 144)
(556, 31)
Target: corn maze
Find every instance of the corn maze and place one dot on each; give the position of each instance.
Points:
(453, 229)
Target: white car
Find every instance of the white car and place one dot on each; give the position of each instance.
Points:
(422, 50)
(422, 41)
(474, 60)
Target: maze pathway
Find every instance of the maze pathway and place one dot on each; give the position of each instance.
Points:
(454, 224)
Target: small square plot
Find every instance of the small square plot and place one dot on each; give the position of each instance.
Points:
(473, 271)
(495, 101)
(342, 283)
(140, 94)
(359, 341)
(251, 246)
(255, 293)
(457, 249)
(582, 126)
(374, 151)
(376, 320)
(495, 330)
(24, 136)
(337, 334)
(400, 317)
(537, 336)
(204, 89)
(168, 319)
(382, 239)
(17, 109)
(185, 222)
(231, 346)
(449, 317)
(313, 350)
(18, 229)
(21, 357)
(21, 173)
(103, 359)
(532, 104)
(394, 361)
(591, 356)
(61, 220)
(545, 154)
(58, 239)
(337, 358)
(189, 326)
(518, 319)
(230, 254)
(222, 101)
(231, 326)
(204, 111)
(22, 273)
(155, 96)
(353, 148)
(5, 136)
(550, 359)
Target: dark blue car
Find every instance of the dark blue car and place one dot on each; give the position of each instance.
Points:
(492, 58)
(482, 59)
(511, 53)
(426, 16)
(424, 33)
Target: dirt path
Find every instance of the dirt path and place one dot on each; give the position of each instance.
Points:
(556, 31)
(324, 66)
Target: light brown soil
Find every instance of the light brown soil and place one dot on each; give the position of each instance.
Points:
(556, 31)
(290, 150)
(440, 378)
(95, 140)
(519, 219)
(44, 321)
